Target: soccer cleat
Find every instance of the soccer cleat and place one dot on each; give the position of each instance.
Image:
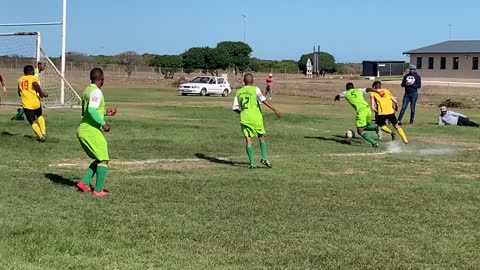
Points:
(393, 136)
(379, 132)
(252, 166)
(267, 163)
(376, 145)
(82, 187)
(102, 193)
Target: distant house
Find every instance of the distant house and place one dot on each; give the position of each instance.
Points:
(449, 59)
(382, 68)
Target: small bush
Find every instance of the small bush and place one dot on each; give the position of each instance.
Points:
(454, 104)
(181, 80)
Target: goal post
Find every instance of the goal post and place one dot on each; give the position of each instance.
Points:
(24, 48)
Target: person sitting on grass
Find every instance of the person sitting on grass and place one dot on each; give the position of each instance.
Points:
(448, 117)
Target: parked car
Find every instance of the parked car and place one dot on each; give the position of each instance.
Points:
(205, 86)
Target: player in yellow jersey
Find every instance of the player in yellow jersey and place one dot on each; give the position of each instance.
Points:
(385, 105)
(30, 93)
(247, 103)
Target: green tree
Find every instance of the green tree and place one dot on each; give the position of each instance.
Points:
(168, 65)
(236, 53)
(129, 59)
(327, 62)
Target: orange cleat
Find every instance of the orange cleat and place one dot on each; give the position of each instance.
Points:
(102, 193)
(82, 187)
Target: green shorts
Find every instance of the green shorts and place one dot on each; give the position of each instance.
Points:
(94, 144)
(364, 117)
(252, 131)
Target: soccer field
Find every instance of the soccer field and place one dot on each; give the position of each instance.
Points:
(184, 198)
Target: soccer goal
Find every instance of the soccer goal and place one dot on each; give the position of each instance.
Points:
(24, 48)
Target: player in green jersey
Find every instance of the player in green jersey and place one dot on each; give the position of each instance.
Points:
(354, 96)
(91, 136)
(247, 103)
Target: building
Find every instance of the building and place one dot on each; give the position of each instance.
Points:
(383, 68)
(449, 59)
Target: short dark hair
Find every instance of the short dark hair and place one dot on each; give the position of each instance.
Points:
(96, 74)
(376, 83)
(349, 86)
(28, 70)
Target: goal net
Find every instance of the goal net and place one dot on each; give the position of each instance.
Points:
(20, 49)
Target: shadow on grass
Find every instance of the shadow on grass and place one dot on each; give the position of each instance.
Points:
(60, 180)
(221, 161)
(6, 133)
(337, 139)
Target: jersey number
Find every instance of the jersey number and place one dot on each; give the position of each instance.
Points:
(245, 102)
(24, 85)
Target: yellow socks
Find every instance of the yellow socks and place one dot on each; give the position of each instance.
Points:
(37, 130)
(402, 135)
(386, 129)
(41, 123)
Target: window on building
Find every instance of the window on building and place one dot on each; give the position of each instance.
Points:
(443, 62)
(455, 63)
(431, 62)
(419, 62)
(475, 63)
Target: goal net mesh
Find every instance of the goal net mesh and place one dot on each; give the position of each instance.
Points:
(20, 49)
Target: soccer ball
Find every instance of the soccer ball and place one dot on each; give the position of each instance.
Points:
(350, 134)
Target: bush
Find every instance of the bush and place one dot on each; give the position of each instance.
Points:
(177, 83)
(449, 103)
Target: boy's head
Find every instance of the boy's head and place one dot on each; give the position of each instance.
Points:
(41, 66)
(377, 85)
(270, 75)
(28, 70)
(443, 110)
(248, 79)
(96, 77)
(349, 86)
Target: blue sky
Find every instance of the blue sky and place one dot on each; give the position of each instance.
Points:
(351, 30)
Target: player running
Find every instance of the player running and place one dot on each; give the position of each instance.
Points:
(268, 90)
(354, 96)
(30, 93)
(91, 136)
(247, 103)
(385, 104)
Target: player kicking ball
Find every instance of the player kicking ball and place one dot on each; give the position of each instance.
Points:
(30, 93)
(247, 103)
(385, 104)
(91, 136)
(354, 96)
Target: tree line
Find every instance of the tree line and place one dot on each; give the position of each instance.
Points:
(227, 55)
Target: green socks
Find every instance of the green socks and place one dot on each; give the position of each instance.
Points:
(92, 169)
(371, 128)
(368, 138)
(101, 174)
(263, 149)
(251, 156)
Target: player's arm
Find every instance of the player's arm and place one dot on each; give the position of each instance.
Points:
(395, 103)
(404, 81)
(373, 103)
(341, 95)
(93, 104)
(262, 99)
(236, 105)
(38, 89)
(368, 90)
(3, 84)
(418, 82)
(440, 121)
(19, 90)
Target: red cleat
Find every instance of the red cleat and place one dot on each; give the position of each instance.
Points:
(82, 187)
(102, 193)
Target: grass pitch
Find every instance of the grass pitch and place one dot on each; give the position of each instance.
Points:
(184, 198)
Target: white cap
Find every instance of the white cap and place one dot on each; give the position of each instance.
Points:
(270, 75)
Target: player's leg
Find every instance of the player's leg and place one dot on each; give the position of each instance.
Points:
(405, 102)
(249, 149)
(263, 149)
(32, 119)
(366, 136)
(413, 104)
(367, 114)
(382, 123)
(102, 170)
(362, 122)
(41, 122)
(462, 121)
(84, 184)
(399, 128)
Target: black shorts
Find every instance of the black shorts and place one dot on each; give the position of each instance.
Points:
(32, 115)
(382, 119)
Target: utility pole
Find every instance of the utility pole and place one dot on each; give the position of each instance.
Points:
(244, 28)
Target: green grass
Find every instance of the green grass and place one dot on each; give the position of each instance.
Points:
(314, 210)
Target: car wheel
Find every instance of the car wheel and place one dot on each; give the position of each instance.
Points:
(203, 92)
(184, 94)
(225, 93)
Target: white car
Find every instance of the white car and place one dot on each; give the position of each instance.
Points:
(205, 86)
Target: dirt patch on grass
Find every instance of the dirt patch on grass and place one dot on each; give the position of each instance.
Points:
(134, 165)
(447, 141)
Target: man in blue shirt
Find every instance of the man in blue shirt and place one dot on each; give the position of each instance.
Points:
(411, 82)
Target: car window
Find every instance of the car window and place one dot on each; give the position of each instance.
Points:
(213, 81)
(221, 81)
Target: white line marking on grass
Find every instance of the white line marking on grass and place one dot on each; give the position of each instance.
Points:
(150, 161)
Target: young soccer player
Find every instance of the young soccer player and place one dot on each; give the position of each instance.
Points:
(268, 90)
(385, 105)
(354, 96)
(91, 136)
(247, 103)
(30, 93)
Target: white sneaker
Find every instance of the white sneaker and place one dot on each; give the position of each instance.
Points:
(379, 133)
